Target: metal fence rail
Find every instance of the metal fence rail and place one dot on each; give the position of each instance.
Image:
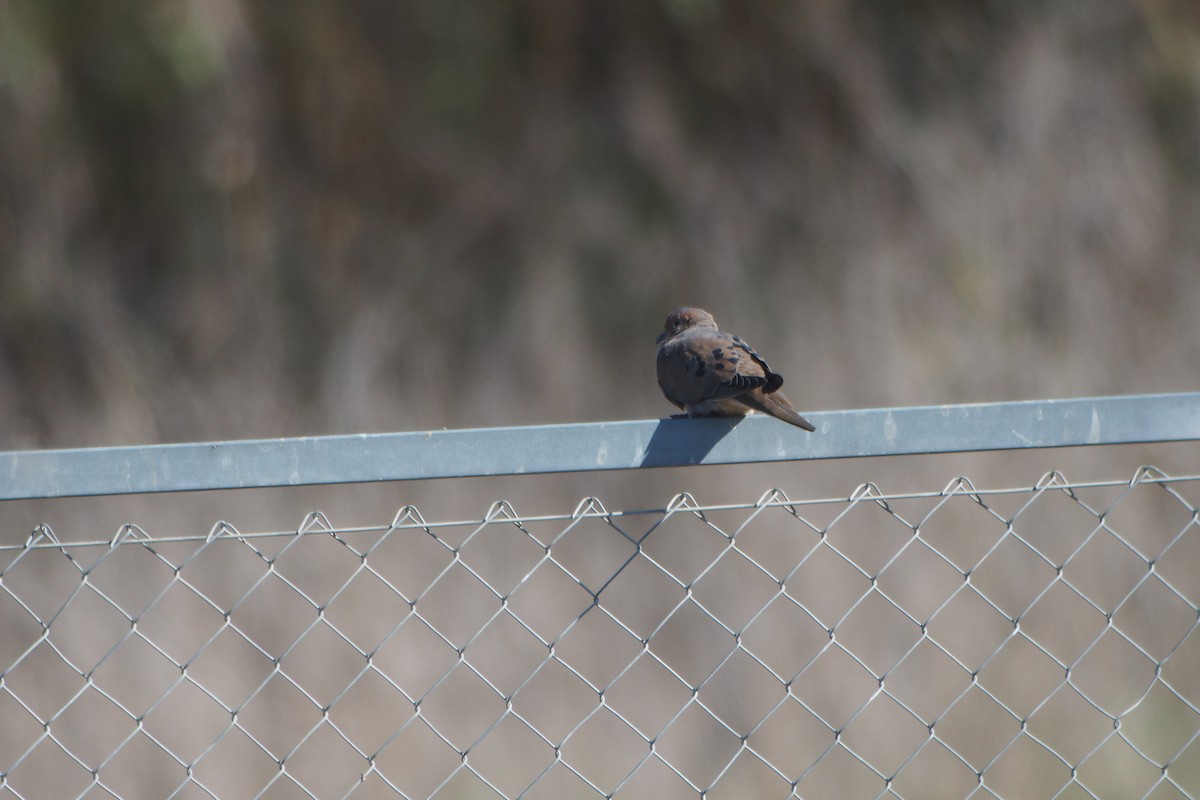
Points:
(1021, 641)
(598, 446)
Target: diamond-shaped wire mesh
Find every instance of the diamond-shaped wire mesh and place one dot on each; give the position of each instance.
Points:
(1033, 642)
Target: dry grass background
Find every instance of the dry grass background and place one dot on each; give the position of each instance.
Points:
(226, 219)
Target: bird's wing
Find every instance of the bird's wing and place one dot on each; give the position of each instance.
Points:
(704, 365)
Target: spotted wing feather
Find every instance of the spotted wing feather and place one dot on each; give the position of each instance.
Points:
(701, 366)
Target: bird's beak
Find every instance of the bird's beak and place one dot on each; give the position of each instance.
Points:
(661, 337)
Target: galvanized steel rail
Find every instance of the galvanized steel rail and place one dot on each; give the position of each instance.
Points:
(312, 460)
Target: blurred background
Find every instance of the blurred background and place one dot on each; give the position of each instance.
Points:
(224, 219)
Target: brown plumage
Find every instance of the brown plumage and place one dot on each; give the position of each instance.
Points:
(707, 372)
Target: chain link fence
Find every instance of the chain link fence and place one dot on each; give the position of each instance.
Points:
(1022, 642)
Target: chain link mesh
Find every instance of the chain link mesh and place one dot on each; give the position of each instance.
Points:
(1031, 642)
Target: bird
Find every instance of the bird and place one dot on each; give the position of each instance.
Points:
(707, 372)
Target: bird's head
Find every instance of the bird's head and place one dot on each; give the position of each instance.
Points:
(683, 318)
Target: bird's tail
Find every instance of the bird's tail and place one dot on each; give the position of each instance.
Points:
(777, 406)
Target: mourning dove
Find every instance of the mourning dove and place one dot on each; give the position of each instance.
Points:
(707, 372)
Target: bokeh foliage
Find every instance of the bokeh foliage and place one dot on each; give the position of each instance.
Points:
(228, 218)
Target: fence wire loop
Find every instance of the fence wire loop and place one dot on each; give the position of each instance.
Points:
(222, 528)
(589, 507)
(961, 486)
(42, 532)
(128, 532)
(775, 497)
(684, 502)
(315, 522)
